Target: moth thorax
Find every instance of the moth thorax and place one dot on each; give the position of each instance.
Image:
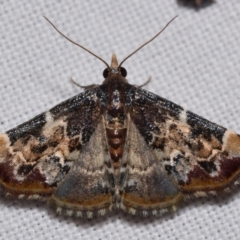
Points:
(116, 135)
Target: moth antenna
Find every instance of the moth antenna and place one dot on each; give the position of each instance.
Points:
(146, 42)
(70, 40)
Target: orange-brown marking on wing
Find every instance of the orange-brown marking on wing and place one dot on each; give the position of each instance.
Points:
(85, 202)
(134, 199)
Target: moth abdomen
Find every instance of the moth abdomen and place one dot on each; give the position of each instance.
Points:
(116, 135)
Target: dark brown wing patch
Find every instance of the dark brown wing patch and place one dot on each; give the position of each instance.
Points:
(198, 154)
(36, 155)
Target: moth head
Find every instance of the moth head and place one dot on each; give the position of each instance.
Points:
(114, 68)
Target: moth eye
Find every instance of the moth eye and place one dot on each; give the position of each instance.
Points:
(123, 72)
(105, 73)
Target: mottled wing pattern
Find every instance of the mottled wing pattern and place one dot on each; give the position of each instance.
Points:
(36, 155)
(146, 186)
(195, 155)
(88, 188)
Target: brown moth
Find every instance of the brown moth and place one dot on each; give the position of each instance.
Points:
(117, 146)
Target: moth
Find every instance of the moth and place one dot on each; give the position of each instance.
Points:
(117, 145)
(195, 3)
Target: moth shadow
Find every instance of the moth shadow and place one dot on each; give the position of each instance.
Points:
(221, 199)
(218, 200)
(118, 215)
(21, 204)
